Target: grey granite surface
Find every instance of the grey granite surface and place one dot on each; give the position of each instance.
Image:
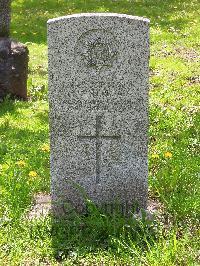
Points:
(98, 94)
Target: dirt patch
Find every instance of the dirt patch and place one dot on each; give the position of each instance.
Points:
(41, 207)
(194, 80)
(185, 53)
(188, 54)
(154, 206)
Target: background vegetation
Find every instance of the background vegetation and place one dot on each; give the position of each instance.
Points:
(174, 175)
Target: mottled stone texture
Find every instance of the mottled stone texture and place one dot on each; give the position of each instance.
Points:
(98, 93)
(5, 9)
(13, 68)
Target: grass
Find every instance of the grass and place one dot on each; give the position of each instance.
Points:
(174, 127)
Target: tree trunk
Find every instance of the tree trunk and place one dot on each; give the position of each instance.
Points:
(5, 17)
(13, 58)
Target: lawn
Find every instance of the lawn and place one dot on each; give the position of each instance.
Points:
(174, 174)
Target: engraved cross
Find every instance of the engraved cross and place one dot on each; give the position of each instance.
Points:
(98, 137)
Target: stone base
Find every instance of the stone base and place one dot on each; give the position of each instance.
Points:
(42, 206)
(13, 68)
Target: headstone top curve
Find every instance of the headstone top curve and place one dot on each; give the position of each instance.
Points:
(80, 15)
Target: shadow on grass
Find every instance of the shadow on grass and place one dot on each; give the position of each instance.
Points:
(10, 106)
(29, 18)
(79, 235)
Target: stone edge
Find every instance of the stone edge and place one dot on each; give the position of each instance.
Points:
(98, 15)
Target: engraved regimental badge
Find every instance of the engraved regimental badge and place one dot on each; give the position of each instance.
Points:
(97, 49)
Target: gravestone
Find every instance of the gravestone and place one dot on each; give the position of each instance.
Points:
(98, 94)
(13, 58)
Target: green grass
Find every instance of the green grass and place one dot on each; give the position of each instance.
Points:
(174, 127)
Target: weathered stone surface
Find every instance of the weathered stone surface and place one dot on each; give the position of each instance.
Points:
(98, 93)
(13, 68)
(5, 9)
